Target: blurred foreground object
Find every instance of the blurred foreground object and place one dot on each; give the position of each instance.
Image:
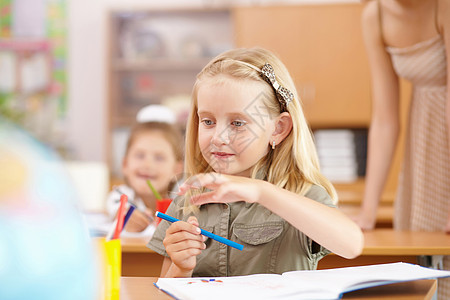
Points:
(45, 251)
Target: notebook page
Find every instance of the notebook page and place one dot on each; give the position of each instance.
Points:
(353, 278)
(260, 286)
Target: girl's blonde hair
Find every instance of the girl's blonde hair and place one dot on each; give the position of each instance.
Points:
(293, 164)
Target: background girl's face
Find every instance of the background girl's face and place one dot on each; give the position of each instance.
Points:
(151, 157)
(234, 126)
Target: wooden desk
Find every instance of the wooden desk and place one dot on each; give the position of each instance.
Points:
(392, 242)
(137, 288)
(388, 245)
(138, 260)
(380, 246)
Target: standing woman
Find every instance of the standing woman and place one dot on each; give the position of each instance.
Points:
(410, 39)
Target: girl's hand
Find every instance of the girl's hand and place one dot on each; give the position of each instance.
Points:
(224, 188)
(183, 242)
(138, 222)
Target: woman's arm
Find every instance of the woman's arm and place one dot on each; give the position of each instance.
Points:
(444, 20)
(384, 127)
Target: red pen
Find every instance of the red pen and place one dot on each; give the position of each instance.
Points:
(120, 216)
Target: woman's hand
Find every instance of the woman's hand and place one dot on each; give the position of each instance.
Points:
(183, 242)
(447, 226)
(223, 188)
(365, 222)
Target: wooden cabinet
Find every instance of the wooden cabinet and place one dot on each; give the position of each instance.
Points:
(322, 47)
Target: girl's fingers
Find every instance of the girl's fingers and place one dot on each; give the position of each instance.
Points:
(203, 198)
(183, 239)
(181, 226)
(180, 231)
(149, 213)
(225, 193)
(193, 220)
(185, 245)
(208, 180)
(183, 242)
(221, 193)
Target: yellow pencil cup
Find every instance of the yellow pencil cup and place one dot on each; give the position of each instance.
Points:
(110, 267)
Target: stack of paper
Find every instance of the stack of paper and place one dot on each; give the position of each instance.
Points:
(342, 153)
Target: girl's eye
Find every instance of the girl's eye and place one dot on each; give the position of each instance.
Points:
(160, 158)
(207, 122)
(238, 123)
(139, 155)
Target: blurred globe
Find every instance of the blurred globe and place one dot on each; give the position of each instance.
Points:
(45, 251)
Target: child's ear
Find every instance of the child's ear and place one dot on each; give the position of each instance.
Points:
(283, 126)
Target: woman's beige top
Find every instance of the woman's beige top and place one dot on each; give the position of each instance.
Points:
(423, 200)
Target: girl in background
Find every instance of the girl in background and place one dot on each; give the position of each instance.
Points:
(253, 162)
(153, 152)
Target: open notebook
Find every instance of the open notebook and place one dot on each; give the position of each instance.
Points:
(318, 284)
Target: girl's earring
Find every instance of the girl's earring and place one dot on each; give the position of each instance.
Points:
(273, 144)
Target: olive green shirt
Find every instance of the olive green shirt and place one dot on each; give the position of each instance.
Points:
(271, 244)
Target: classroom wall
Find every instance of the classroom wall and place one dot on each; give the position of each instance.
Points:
(87, 63)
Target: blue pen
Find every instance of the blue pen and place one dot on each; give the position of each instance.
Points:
(204, 232)
(128, 215)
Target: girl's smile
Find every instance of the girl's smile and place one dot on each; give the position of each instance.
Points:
(222, 155)
(146, 176)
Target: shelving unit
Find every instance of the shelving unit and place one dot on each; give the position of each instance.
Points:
(155, 56)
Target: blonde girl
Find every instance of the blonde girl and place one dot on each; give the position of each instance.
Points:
(252, 159)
